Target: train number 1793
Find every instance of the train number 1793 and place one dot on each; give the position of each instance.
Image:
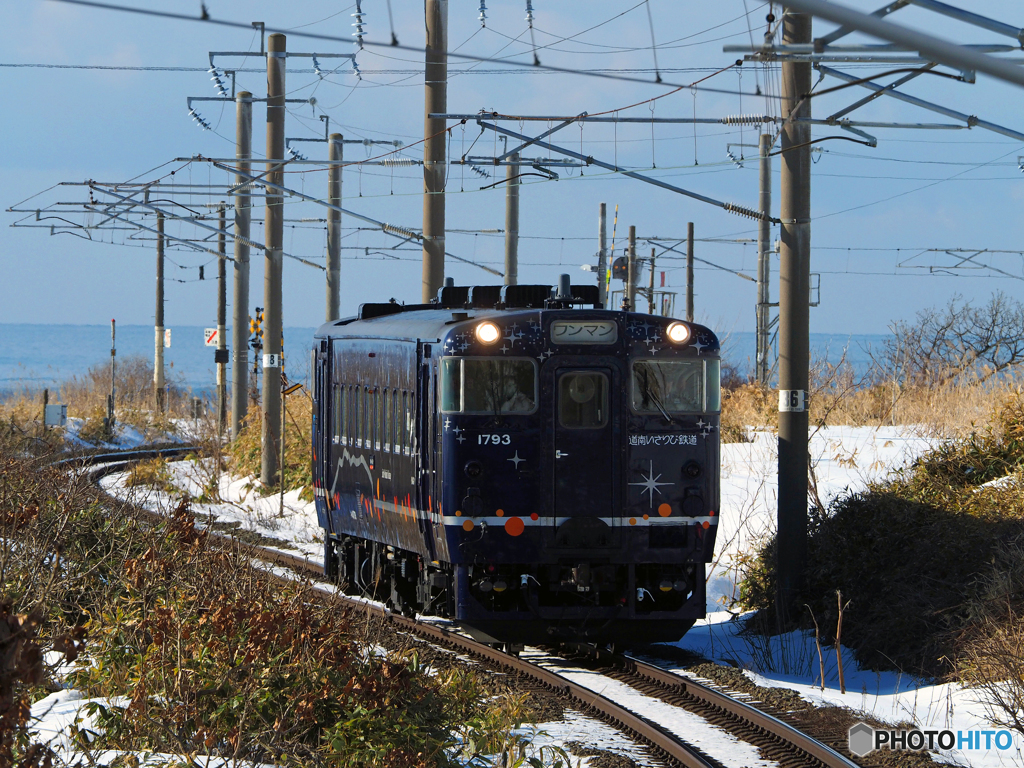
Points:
(494, 439)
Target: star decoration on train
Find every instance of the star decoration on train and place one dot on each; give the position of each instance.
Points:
(699, 346)
(447, 424)
(516, 461)
(650, 484)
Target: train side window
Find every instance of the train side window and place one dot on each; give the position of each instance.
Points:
(343, 415)
(396, 422)
(338, 420)
(386, 420)
(407, 423)
(713, 376)
(583, 400)
(359, 398)
(377, 413)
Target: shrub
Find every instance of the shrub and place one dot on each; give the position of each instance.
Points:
(906, 552)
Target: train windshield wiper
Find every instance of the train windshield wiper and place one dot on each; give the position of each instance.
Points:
(648, 392)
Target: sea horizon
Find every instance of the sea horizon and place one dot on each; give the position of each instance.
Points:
(37, 356)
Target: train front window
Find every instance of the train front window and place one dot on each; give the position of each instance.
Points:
(583, 400)
(488, 385)
(676, 386)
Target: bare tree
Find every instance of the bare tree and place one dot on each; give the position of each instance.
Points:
(955, 341)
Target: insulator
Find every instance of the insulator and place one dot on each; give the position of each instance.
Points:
(316, 67)
(733, 158)
(483, 13)
(746, 119)
(399, 162)
(400, 231)
(739, 210)
(358, 23)
(529, 12)
(480, 172)
(355, 68)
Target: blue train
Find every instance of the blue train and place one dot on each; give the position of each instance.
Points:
(522, 461)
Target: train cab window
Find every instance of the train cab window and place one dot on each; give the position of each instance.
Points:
(675, 386)
(386, 420)
(583, 400)
(488, 385)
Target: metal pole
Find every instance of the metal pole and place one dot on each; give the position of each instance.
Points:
(284, 400)
(240, 266)
(650, 288)
(274, 230)
(602, 255)
(434, 162)
(512, 221)
(222, 330)
(764, 265)
(689, 272)
(158, 326)
(934, 48)
(630, 302)
(794, 307)
(336, 156)
(113, 370)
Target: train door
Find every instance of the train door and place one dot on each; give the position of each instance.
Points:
(323, 432)
(425, 445)
(583, 449)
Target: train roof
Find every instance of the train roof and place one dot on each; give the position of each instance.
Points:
(456, 304)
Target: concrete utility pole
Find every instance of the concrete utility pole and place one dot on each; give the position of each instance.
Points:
(602, 255)
(794, 308)
(222, 326)
(272, 358)
(240, 298)
(434, 161)
(689, 272)
(335, 154)
(158, 326)
(512, 221)
(764, 264)
(630, 301)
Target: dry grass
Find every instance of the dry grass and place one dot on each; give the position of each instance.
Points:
(837, 397)
(247, 451)
(86, 398)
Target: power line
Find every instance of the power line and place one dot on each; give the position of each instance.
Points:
(370, 43)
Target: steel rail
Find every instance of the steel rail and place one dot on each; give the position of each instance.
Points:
(665, 744)
(740, 709)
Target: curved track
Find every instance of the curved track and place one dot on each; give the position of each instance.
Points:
(777, 740)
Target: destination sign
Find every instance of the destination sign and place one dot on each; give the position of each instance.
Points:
(584, 332)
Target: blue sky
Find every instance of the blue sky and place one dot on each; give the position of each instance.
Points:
(874, 210)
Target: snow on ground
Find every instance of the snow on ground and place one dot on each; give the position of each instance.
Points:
(125, 436)
(241, 506)
(845, 459)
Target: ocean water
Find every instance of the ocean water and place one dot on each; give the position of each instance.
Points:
(38, 356)
(43, 356)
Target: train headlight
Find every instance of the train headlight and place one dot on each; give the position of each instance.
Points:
(678, 333)
(488, 333)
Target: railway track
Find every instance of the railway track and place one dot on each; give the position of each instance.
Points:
(776, 740)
